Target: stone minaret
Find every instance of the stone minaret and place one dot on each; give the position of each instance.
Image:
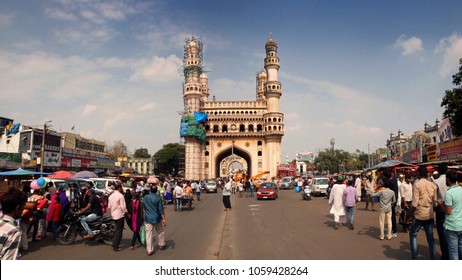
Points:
(193, 95)
(273, 118)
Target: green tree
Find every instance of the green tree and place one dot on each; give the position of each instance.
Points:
(141, 153)
(452, 103)
(332, 160)
(339, 161)
(167, 158)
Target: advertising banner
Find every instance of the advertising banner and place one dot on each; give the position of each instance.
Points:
(451, 150)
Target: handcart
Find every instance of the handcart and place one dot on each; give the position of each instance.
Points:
(186, 203)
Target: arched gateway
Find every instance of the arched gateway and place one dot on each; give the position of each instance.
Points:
(223, 136)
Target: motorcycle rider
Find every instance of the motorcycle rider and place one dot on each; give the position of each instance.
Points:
(91, 212)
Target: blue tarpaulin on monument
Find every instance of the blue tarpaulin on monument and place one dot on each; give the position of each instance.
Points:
(200, 117)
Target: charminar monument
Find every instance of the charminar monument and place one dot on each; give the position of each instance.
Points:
(222, 137)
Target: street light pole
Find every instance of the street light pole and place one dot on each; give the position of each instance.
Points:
(42, 153)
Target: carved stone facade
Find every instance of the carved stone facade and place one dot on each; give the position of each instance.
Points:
(243, 135)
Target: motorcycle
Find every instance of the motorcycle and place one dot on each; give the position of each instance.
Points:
(103, 228)
(306, 193)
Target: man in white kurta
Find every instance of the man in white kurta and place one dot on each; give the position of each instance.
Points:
(336, 200)
(358, 185)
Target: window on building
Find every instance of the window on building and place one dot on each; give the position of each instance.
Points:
(241, 128)
(224, 128)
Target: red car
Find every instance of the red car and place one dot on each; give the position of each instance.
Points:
(267, 190)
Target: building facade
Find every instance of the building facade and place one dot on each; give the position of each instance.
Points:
(223, 136)
(22, 145)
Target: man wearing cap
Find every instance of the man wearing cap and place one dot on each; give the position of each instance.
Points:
(91, 212)
(336, 200)
(154, 218)
(117, 208)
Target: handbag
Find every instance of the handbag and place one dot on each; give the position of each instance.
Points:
(376, 199)
(143, 235)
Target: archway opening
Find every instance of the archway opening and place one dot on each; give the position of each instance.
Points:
(233, 159)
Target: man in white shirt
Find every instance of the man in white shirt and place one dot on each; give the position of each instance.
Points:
(117, 208)
(177, 194)
(405, 192)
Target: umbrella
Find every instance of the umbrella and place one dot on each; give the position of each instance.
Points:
(84, 175)
(61, 175)
(20, 172)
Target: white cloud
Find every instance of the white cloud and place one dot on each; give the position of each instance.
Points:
(6, 20)
(85, 35)
(148, 106)
(451, 48)
(114, 11)
(60, 14)
(328, 125)
(409, 46)
(91, 16)
(88, 109)
(158, 70)
(227, 89)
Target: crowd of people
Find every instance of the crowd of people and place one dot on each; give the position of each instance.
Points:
(415, 199)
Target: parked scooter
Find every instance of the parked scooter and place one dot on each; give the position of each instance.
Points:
(103, 228)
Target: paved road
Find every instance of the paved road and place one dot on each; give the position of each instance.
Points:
(285, 229)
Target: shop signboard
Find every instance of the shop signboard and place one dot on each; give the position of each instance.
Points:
(451, 149)
(432, 153)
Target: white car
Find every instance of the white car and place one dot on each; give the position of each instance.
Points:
(319, 186)
(211, 186)
(106, 185)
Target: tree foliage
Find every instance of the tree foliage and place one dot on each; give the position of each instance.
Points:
(119, 149)
(452, 103)
(167, 158)
(339, 161)
(141, 153)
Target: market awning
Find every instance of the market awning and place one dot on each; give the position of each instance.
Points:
(22, 172)
(390, 164)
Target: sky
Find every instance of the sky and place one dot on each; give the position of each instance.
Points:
(354, 71)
